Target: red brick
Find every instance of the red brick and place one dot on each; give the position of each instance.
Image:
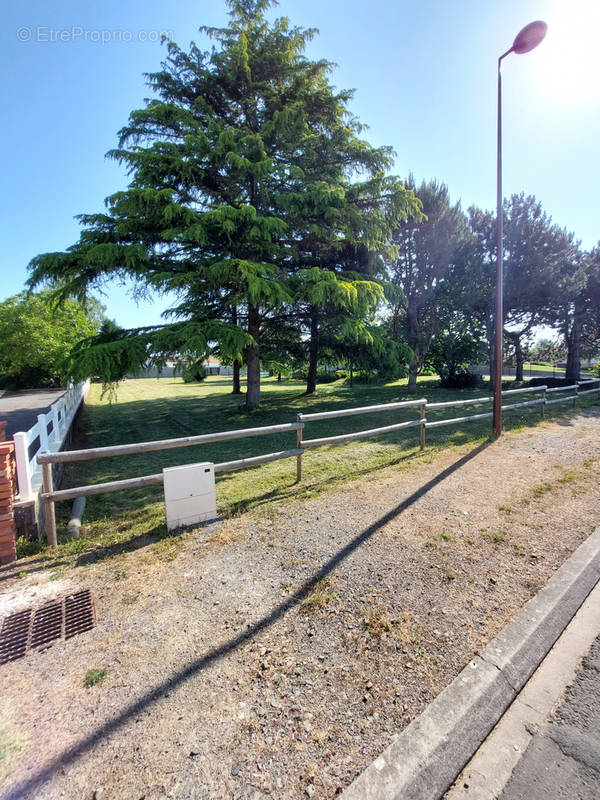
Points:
(7, 526)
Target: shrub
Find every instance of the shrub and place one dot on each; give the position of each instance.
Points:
(550, 382)
(327, 377)
(193, 373)
(460, 380)
(364, 376)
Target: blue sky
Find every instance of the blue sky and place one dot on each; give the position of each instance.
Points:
(425, 79)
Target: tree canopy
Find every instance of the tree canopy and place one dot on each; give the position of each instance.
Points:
(37, 337)
(252, 197)
(426, 250)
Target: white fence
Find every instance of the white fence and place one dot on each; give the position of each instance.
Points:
(48, 434)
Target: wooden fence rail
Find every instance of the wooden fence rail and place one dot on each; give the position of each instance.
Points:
(49, 496)
(150, 480)
(349, 437)
(476, 400)
(440, 422)
(163, 444)
(346, 412)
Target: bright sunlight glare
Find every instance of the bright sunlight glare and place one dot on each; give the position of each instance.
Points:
(568, 58)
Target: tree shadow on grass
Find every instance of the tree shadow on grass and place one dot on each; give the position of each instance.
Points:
(103, 552)
(150, 697)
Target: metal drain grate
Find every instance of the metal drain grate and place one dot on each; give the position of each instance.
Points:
(79, 613)
(37, 629)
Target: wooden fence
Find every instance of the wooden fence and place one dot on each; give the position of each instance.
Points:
(49, 496)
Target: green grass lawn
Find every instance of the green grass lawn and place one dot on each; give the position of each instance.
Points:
(558, 371)
(164, 408)
(527, 367)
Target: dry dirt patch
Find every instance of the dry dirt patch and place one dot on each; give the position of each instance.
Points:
(278, 653)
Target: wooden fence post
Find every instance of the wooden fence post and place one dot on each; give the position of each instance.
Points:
(299, 445)
(543, 403)
(576, 393)
(422, 426)
(49, 518)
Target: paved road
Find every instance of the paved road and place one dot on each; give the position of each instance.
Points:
(563, 758)
(21, 409)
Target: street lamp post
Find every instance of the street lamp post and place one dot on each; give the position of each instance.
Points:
(528, 38)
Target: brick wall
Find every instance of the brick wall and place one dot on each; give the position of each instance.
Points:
(8, 489)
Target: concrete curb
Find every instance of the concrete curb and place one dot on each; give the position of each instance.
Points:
(423, 762)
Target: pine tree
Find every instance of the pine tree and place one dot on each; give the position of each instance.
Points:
(533, 249)
(242, 170)
(426, 250)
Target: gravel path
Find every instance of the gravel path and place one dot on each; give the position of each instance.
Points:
(277, 653)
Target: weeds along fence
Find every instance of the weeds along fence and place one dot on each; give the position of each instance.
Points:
(50, 496)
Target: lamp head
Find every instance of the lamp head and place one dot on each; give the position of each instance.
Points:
(529, 38)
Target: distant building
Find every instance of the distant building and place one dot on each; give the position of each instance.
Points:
(172, 369)
(213, 366)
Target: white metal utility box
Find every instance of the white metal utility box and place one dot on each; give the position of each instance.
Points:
(190, 495)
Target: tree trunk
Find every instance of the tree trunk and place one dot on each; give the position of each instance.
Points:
(313, 354)
(236, 364)
(413, 342)
(573, 339)
(279, 377)
(413, 368)
(253, 359)
(519, 357)
(236, 378)
(489, 329)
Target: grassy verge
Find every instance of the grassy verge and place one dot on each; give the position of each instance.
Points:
(164, 408)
